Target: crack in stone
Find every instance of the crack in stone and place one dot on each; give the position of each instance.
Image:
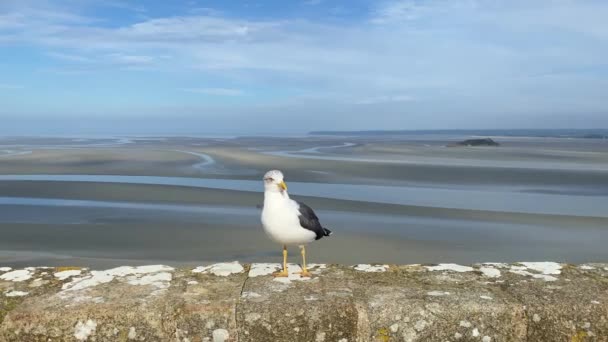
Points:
(238, 302)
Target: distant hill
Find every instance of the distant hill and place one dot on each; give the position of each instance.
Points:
(553, 133)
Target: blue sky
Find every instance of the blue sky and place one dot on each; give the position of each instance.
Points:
(287, 67)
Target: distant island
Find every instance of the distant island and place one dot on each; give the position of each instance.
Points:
(591, 133)
(476, 142)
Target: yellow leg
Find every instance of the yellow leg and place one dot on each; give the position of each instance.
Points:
(283, 273)
(304, 272)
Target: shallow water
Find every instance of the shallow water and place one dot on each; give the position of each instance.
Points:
(110, 232)
(559, 185)
(488, 198)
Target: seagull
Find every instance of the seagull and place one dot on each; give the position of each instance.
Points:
(288, 222)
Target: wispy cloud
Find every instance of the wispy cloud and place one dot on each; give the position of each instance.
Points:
(404, 55)
(384, 99)
(10, 86)
(312, 2)
(215, 91)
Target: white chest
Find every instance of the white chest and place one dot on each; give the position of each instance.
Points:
(281, 222)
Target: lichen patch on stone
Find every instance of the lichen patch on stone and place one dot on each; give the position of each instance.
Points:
(160, 280)
(544, 267)
(5, 269)
(371, 268)
(437, 293)
(220, 335)
(490, 272)
(262, 269)
(450, 267)
(496, 264)
(132, 333)
(465, 324)
(63, 275)
(222, 269)
(82, 331)
(316, 266)
(17, 275)
(101, 277)
(249, 295)
(16, 294)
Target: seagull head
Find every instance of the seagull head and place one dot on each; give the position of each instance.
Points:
(273, 181)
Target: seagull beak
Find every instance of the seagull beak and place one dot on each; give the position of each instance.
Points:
(283, 186)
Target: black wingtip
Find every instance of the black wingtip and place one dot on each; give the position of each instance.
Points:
(327, 232)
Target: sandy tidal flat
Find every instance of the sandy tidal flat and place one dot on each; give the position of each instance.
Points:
(392, 200)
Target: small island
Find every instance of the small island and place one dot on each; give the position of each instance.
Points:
(476, 142)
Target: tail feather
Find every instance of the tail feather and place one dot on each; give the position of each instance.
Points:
(327, 232)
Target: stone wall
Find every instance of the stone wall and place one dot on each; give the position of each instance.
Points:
(234, 302)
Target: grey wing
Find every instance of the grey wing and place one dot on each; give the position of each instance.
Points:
(310, 221)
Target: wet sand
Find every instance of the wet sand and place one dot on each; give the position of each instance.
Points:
(111, 224)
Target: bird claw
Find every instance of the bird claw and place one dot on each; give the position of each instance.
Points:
(305, 274)
(281, 274)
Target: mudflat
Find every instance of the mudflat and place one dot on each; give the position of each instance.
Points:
(188, 200)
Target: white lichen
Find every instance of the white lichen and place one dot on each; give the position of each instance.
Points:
(102, 277)
(252, 317)
(17, 275)
(5, 269)
(457, 336)
(486, 297)
(486, 339)
(420, 325)
(586, 267)
(465, 324)
(192, 282)
(496, 264)
(450, 267)
(63, 275)
(132, 333)
(544, 267)
(160, 280)
(262, 269)
(320, 336)
(222, 269)
(437, 293)
(395, 327)
(317, 266)
(16, 294)
(475, 332)
(371, 268)
(595, 302)
(82, 331)
(220, 335)
(536, 318)
(490, 272)
(249, 295)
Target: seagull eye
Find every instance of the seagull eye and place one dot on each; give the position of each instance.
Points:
(269, 179)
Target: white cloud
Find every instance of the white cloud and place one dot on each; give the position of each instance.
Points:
(448, 55)
(215, 91)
